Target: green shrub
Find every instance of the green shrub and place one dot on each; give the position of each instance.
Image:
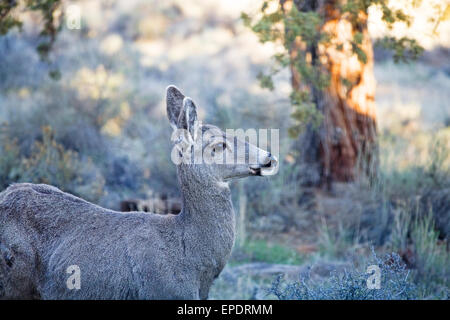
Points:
(351, 285)
(9, 165)
(432, 258)
(49, 162)
(414, 235)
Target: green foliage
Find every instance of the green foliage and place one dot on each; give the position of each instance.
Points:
(265, 81)
(333, 243)
(432, 258)
(10, 19)
(7, 20)
(305, 112)
(299, 31)
(415, 234)
(51, 27)
(263, 251)
(404, 49)
(55, 74)
(356, 47)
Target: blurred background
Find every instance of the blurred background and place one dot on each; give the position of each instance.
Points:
(88, 116)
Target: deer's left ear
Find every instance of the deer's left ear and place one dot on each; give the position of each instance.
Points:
(174, 101)
(188, 117)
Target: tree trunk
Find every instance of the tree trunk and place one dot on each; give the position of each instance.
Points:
(344, 146)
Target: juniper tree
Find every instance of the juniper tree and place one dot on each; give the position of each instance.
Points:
(326, 46)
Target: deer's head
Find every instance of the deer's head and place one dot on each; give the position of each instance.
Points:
(207, 152)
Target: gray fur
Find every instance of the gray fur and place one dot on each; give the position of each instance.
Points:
(121, 255)
(174, 102)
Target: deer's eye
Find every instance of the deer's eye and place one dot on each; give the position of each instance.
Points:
(220, 147)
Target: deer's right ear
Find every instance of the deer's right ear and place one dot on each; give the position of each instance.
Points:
(174, 102)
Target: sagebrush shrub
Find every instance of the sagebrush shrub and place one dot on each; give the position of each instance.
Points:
(396, 284)
(49, 162)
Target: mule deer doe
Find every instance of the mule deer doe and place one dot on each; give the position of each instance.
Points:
(134, 255)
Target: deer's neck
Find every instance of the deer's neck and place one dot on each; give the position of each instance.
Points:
(207, 218)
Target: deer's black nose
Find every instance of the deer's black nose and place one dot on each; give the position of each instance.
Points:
(268, 161)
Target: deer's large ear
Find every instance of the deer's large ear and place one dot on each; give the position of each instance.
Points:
(188, 117)
(174, 102)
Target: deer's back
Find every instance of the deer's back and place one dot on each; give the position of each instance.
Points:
(120, 256)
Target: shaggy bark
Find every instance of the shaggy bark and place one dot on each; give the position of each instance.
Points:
(344, 145)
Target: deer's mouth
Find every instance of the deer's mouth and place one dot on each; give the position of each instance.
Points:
(255, 171)
(268, 169)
